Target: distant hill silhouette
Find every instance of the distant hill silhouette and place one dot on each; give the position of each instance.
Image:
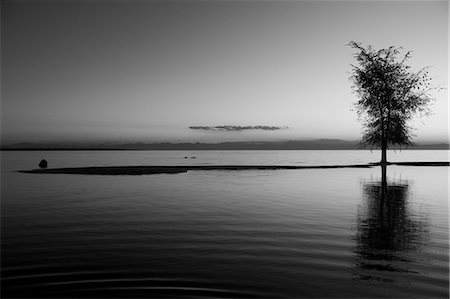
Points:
(317, 144)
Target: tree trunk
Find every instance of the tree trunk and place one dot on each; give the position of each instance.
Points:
(383, 152)
(383, 142)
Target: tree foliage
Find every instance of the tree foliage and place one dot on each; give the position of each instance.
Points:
(390, 94)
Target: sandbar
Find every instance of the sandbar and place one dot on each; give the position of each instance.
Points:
(141, 170)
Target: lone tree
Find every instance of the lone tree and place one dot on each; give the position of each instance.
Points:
(390, 95)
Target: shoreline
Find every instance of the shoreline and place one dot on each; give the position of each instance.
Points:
(145, 170)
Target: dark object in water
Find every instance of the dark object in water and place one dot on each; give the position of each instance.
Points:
(193, 157)
(43, 163)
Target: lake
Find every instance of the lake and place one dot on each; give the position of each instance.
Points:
(304, 233)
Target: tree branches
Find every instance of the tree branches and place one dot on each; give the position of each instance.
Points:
(390, 94)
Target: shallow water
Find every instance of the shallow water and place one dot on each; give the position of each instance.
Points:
(281, 233)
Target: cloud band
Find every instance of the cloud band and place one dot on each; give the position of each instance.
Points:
(227, 128)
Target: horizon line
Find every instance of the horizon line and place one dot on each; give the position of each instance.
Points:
(105, 142)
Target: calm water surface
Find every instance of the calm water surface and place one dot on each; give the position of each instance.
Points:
(283, 233)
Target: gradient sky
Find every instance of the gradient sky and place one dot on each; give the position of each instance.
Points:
(147, 70)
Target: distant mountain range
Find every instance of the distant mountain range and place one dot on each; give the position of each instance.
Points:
(317, 144)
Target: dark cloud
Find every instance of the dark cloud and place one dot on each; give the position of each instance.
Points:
(237, 128)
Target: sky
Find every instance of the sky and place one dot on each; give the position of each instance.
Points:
(208, 71)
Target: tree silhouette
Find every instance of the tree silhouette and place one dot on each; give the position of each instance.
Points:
(390, 95)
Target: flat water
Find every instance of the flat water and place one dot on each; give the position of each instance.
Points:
(324, 233)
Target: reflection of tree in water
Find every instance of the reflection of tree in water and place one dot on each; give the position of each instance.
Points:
(387, 232)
